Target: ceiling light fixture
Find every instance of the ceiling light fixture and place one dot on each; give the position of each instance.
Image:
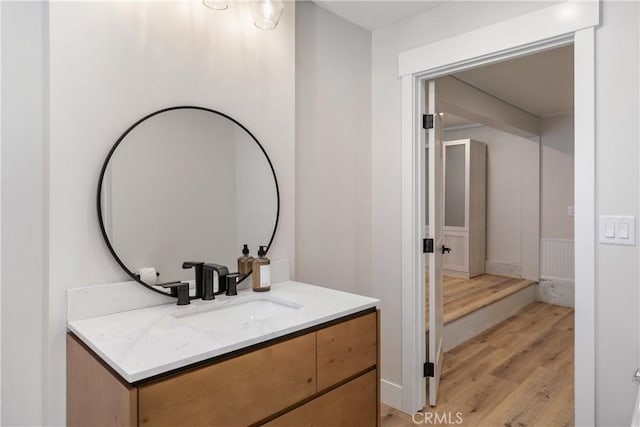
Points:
(216, 4)
(267, 13)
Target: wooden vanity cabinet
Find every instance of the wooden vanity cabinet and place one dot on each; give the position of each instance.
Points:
(326, 376)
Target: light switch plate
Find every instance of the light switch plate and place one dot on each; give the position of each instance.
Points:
(618, 230)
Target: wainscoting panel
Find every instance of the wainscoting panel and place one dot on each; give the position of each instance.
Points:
(557, 256)
(557, 272)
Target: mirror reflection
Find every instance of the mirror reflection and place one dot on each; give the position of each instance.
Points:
(186, 184)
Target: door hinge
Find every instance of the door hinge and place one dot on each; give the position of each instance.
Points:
(428, 369)
(427, 121)
(427, 246)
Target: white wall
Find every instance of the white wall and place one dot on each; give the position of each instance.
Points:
(111, 63)
(556, 176)
(512, 185)
(617, 189)
(333, 154)
(24, 258)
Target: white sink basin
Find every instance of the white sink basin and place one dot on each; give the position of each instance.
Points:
(235, 311)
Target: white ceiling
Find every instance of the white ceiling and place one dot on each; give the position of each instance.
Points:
(541, 84)
(373, 15)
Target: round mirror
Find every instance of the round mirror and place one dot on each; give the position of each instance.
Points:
(185, 184)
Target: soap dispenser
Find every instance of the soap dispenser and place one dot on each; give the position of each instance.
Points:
(245, 262)
(261, 271)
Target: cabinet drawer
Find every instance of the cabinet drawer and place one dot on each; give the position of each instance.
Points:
(346, 349)
(235, 392)
(352, 404)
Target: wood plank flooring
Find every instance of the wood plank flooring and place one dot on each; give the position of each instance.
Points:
(518, 373)
(464, 296)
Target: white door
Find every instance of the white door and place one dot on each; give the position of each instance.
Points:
(435, 232)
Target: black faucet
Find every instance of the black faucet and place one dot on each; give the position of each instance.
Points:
(208, 271)
(198, 265)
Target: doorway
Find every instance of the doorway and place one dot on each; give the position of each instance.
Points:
(494, 201)
(551, 27)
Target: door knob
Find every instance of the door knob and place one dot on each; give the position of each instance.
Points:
(445, 250)
(636, 376)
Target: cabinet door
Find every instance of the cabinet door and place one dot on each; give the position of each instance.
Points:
(236, 392)
(352, 404)
(346, 349)
(457, 259)
(95, 397)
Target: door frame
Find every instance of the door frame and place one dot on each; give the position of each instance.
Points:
(550, 27)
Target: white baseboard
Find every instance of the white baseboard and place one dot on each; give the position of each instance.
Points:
(503, 268)
(391, 394)
(553, 290)
(467, 327)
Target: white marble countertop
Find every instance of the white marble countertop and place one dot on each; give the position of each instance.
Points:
(145, 342)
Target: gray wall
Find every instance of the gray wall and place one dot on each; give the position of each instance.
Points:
(557, 157)
(24, 210)
(333, 150)
(617, 187)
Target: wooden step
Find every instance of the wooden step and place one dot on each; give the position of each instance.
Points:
(464, 296)
(471, 306)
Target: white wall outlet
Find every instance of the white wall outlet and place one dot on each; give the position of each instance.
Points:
(570, 211)
(618, 230)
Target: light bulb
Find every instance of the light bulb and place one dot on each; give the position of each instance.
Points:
(267, 13)
(216, 4)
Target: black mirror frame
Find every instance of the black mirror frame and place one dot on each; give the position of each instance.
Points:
(112, 151)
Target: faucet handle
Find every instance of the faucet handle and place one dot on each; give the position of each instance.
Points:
(198, 265)
(182, 289)
(232, 284)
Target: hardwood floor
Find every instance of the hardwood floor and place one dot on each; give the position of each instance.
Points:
(464, 296)
(518, 373)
